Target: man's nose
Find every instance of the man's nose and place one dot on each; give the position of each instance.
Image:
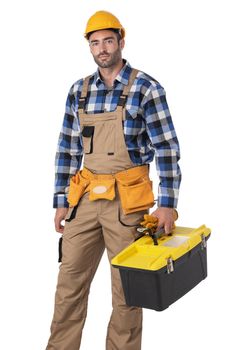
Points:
(102, 47)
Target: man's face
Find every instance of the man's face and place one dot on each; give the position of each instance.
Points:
(105, 48)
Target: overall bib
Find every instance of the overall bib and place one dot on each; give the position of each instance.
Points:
(96, 225)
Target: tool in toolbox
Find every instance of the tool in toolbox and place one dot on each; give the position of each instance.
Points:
(153, 234)
(156, 270)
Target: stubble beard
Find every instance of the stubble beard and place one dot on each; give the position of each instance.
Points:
(115, 57)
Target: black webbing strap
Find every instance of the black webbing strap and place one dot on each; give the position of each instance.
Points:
(60, 249)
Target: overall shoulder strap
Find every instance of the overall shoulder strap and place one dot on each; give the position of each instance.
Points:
(82, 98)
(132, 77)
(126, 90)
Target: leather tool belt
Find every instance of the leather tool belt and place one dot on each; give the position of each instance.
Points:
(134, 187)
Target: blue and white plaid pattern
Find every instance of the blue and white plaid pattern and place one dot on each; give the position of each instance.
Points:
(148, 131)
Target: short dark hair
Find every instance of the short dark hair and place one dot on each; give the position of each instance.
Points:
(116, 31)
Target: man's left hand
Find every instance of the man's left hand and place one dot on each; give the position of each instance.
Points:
(166, 218)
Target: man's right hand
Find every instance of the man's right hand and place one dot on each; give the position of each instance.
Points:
(59, 216)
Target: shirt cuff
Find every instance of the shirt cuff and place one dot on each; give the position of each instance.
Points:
(60, 201)
(168, 198)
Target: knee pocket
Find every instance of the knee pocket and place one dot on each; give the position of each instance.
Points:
(70, 311)
(124, 318)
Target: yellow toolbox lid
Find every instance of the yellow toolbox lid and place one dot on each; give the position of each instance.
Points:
(143, 254)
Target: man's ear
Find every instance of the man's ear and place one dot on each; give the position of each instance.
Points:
(122, 44)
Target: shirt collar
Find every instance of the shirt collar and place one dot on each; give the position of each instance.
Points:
(122, 77)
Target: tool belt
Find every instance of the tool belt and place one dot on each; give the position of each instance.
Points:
(134, 187)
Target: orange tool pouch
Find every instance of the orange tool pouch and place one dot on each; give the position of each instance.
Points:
(78, 185)
(102, 189)
(134, 187)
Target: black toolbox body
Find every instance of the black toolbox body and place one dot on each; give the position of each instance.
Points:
(158, 289)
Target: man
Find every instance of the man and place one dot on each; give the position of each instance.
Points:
(117, 120)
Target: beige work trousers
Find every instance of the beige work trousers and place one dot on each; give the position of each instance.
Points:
(96, 225)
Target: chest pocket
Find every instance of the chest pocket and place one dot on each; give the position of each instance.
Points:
(100, 137)
(135, 123)
(131, 113)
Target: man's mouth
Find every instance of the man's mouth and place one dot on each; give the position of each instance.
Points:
(103, 56)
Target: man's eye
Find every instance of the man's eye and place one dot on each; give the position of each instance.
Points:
(109, 41)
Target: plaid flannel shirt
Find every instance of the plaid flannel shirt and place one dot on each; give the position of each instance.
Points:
(148, 130)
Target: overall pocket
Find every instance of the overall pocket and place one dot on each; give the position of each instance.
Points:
(104, 137)
(132, 219)
(87, 138)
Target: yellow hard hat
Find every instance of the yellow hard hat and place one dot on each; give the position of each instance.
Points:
(103, 20)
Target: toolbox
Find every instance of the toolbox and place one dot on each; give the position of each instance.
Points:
(156, 274)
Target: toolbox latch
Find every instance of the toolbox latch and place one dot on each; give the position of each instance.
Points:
(203, 242)
(170, 266)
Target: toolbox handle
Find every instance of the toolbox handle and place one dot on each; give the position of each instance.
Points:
(154, 235)
(157, 234)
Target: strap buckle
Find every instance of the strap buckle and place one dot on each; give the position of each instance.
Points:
(81, 102)
(122, 100)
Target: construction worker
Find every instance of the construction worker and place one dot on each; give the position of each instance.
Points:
(117, 120)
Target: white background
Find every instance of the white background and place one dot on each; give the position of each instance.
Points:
(186, 46)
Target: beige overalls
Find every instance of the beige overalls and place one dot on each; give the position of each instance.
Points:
(97, 225)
